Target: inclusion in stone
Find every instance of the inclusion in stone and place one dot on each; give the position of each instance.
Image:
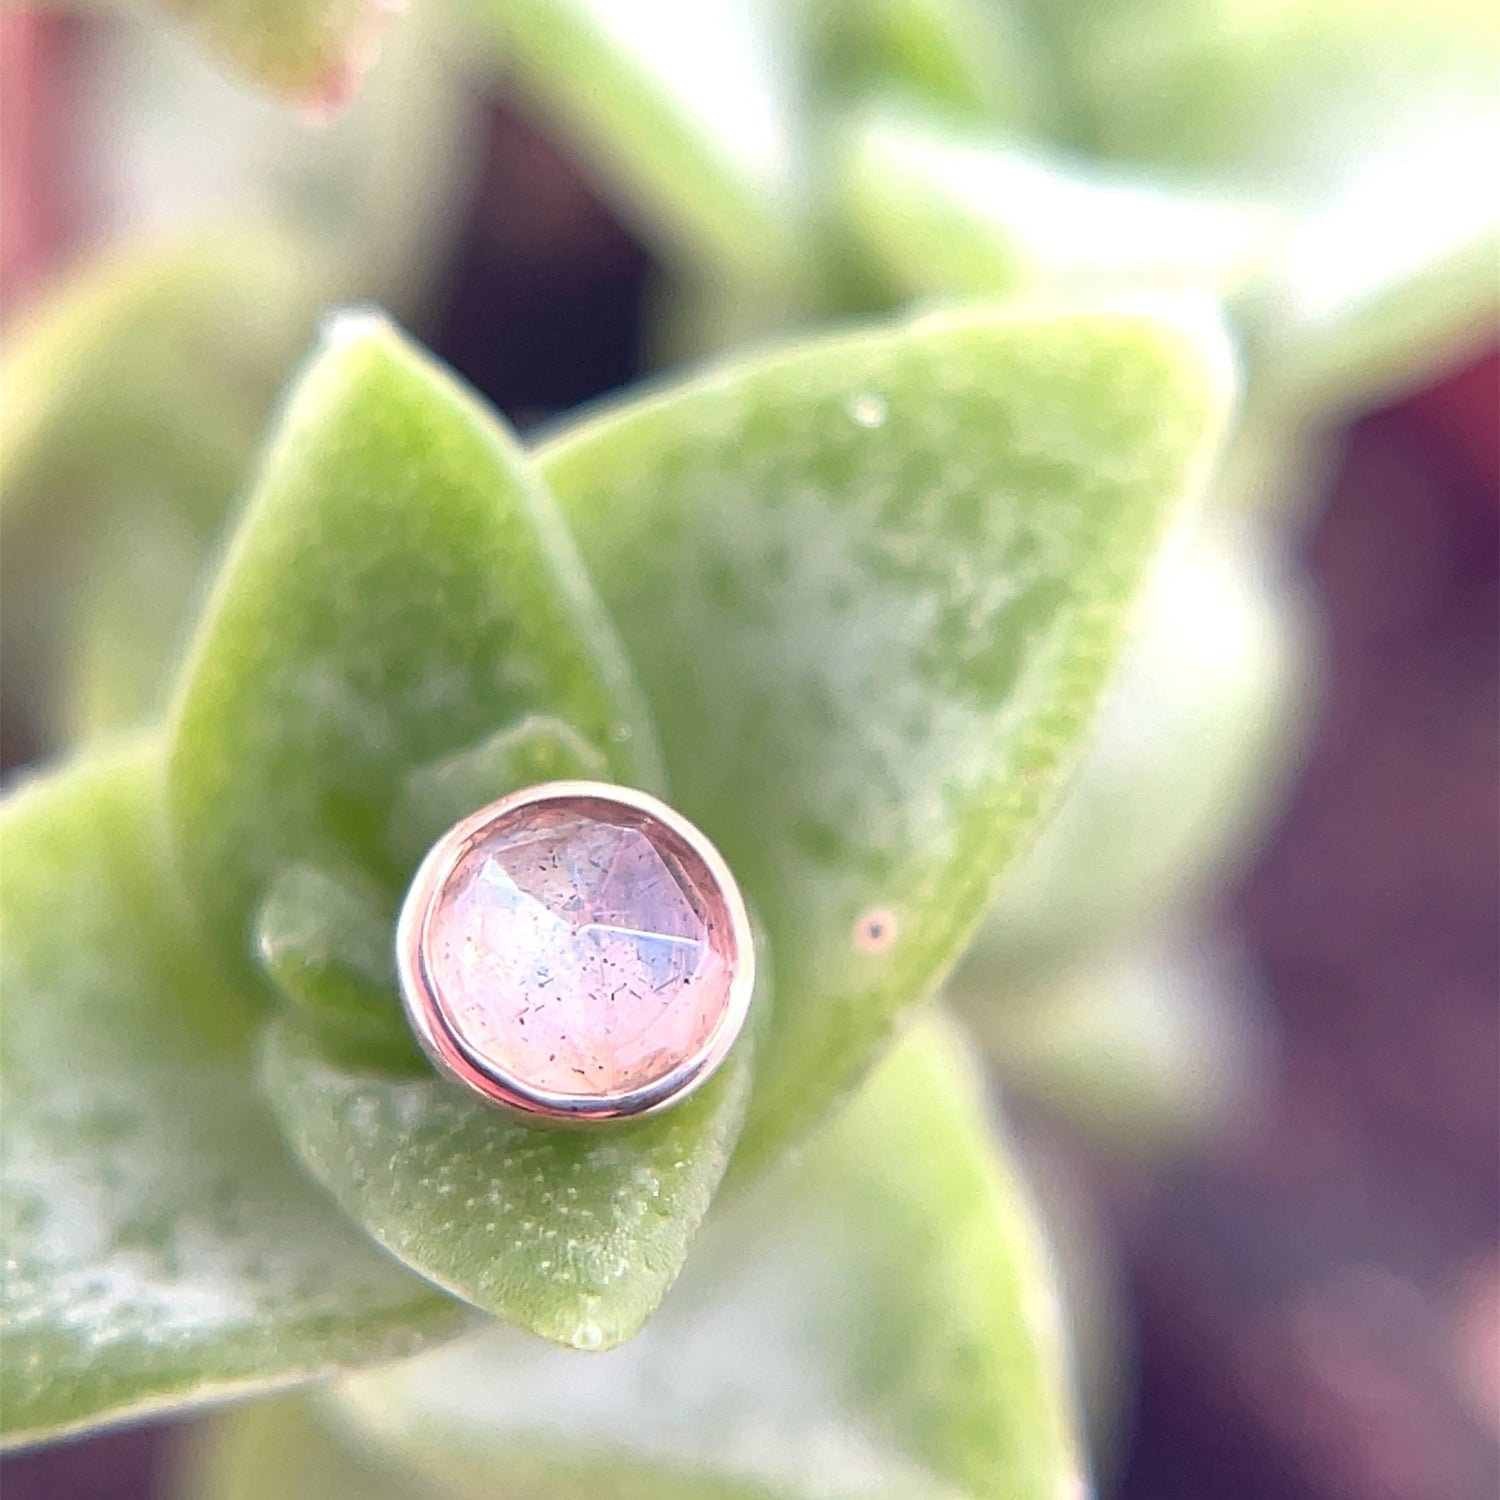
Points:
(579, 946)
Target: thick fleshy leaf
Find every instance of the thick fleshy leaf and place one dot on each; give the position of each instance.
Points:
(1148, 1048)
(160, 1247)
(142, 570)
(1275, 94)
(400, 619)
(1367, 123)
(572, 1234)
(132, 397)
(325, 943)
(155, 361)
(325, 939)
(1389, 283)
(400, 588)
(873, 586)
(962, 212)
(878, 1323)
(436, 796)
(374, 198)
(689, 111)
(1189, 756)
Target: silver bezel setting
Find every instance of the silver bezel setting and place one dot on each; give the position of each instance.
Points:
(453, 1056)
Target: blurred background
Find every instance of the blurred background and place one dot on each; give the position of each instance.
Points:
(1289, 1207)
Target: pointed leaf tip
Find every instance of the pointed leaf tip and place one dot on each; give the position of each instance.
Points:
(874, 585)
(399, 587)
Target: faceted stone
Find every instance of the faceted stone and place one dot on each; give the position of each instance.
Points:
(580, 949)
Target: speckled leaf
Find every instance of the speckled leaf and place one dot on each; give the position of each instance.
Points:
(399, 589)
(573, 1234)
(873, 586)
(160, 1247)
(878, 1324)
(400, 604)
(968, 212)
(689, 112)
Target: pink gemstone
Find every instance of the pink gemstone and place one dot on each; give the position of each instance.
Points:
(580, 947)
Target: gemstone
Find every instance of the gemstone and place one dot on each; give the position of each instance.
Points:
(580, 946)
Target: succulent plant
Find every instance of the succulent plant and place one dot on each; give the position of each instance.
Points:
(869, 602)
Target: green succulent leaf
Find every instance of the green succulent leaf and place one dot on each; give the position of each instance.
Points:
(879, 1322)
(1278, 95)
(399, 589)
(1149, 1048)
(133, 395)
(1187, 758)
(873, 586)
(161, 1248)
(1386, 286)
(326, 944)
(402, 623)
(436, 796)
(971, 57)
(959, 211)
(1366, 123)
(572, 1234)
(150, 363)
(690, 112)
(141, 564)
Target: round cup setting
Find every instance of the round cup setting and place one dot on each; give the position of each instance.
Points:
(576, 952)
